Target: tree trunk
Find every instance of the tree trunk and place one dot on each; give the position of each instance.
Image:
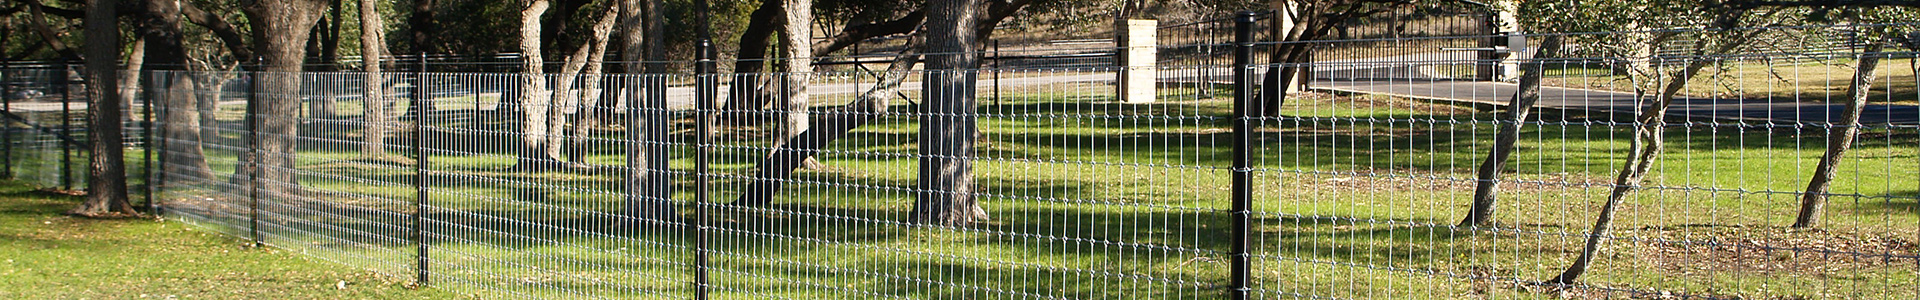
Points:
(106, 168)
(180, 114)
(947, 129)
(131, 73)
(1813, 203)
(373, 98)
(749, 91)
(207, 106)
(566, 93)
(775, 168)
(326, 42)
(280, 32)
(535, 100)
(330, 47)
(796, 36)
(1648, 142)
(590, 109)
(643, 39)
(1487, 178)
(1292, 22)
(566, 97)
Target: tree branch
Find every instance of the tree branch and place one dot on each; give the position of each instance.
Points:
(52, 38)
(225, 31)
(55, 11)
(856, 33)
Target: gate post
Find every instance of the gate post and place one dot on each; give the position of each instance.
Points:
(1243, 99)
(146, 139)
(709, 86)
(420, 166)
(6, 138)
(65, 82)
(253, 153)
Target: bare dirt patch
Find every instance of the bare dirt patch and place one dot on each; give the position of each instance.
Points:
(1422, 180)
(1779, 250)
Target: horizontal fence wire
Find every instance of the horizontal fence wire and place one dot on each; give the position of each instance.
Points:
(1068, 178)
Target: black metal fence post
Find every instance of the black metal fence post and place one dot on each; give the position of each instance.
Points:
(997, 59)
(6, 138)
(146, 139)
(420, 167)
(160, 178)
(1242, 152)
(65, 81)
(253, 154)
(709, 86)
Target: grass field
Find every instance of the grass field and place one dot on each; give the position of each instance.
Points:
(52, 256)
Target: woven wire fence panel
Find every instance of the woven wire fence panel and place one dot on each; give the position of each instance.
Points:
(201, 116)
(1054, 183)
(1363, 192)
(588, 214)
(46, 126)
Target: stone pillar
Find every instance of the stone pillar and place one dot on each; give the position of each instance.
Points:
(1140, 51)
(1509, 44)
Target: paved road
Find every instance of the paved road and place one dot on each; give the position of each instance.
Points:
(1406, 76)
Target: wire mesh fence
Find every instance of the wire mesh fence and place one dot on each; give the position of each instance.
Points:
(1399, 173)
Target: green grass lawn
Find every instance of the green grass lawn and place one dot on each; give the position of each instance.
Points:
(1094, 199)
(53, 256)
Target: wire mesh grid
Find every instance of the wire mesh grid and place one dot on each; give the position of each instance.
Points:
(1052, 184)
(1371, 191)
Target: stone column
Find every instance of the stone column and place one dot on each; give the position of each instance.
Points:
(1503, 63)
(1140, 52)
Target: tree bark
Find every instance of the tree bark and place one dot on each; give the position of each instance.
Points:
(535, 100)
(1487, 178)
(567, 98)
(1814, 201)
(775, 168)
(947, 126)
(131, 71)
(280, 32)
(1292, 22)
(106, 168)
(643, 40)
(590, 109)
(330, 47)
(373, 97)
(796, 36)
